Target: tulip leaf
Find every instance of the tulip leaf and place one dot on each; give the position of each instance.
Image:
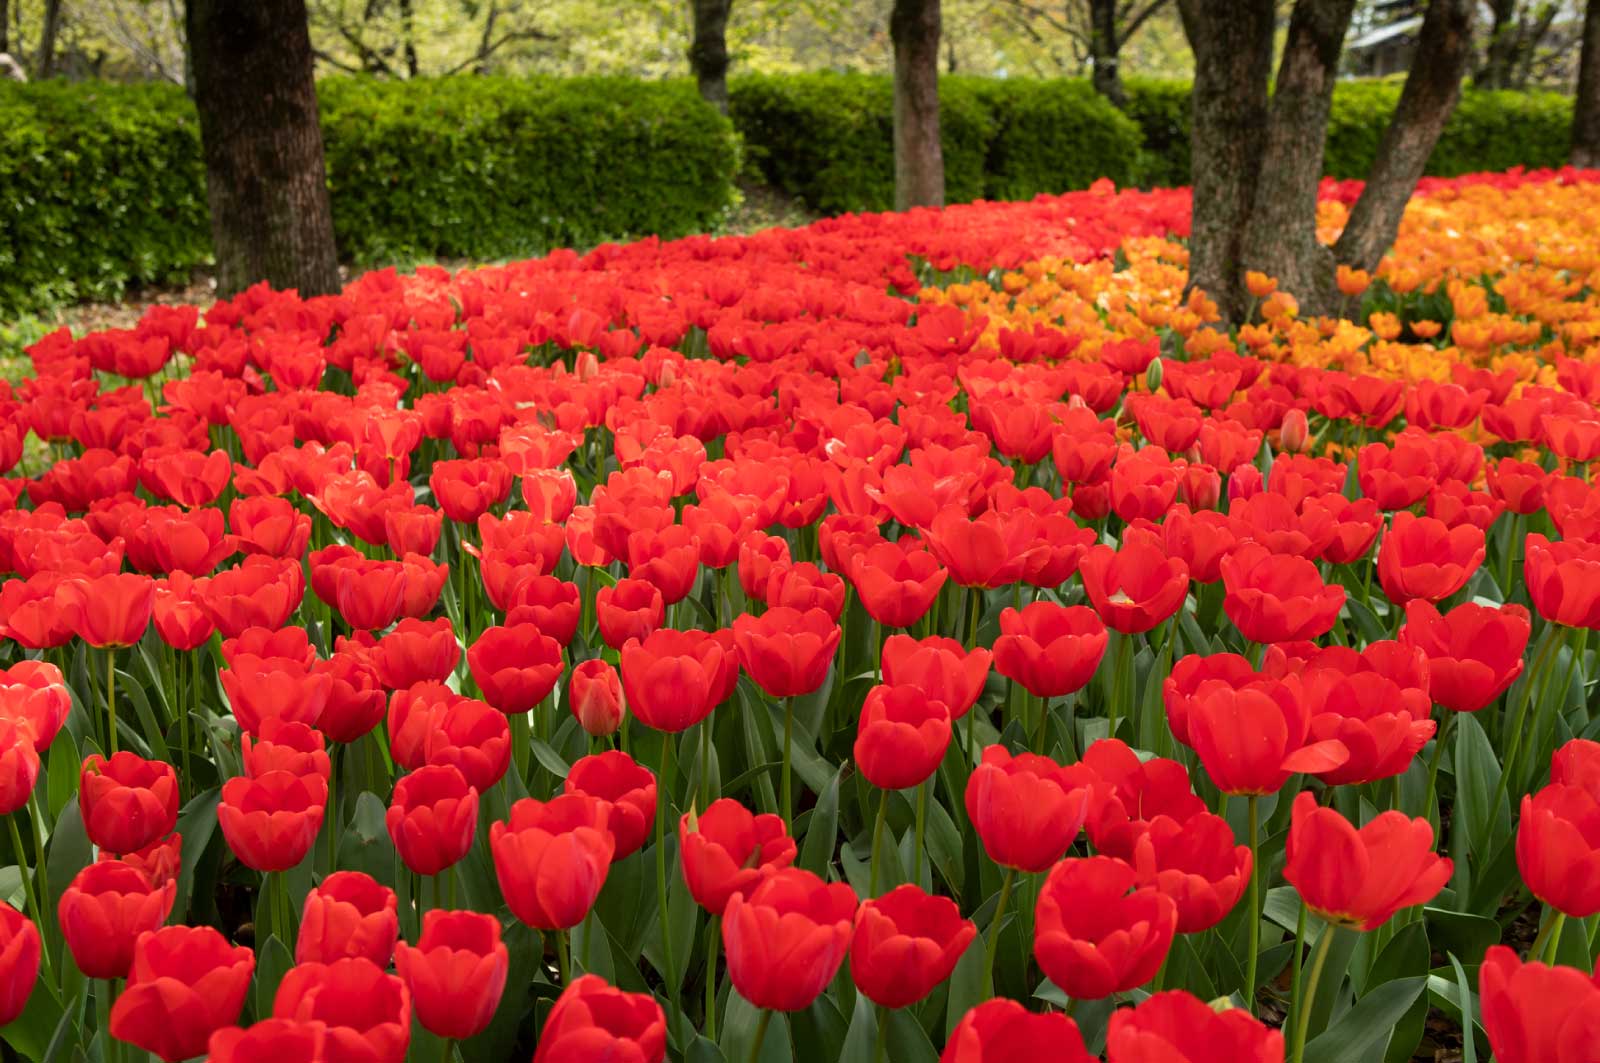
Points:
(134, 693)
(63, 772)
(1406, 955)
(739, 1033)
(38, 1027)
(1331, 988)
(548, 758)
(1469, 1047)
(1483, 809)
(703, 1051)
(819, 1030)
(272, 963)
(966, 982)
(943, 841)
(908, 1041)
(822, 830)
(365, 844)
(1363, 1032)
(1462, 933)
(69, 852)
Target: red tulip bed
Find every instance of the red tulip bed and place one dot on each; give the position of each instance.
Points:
(912, 637)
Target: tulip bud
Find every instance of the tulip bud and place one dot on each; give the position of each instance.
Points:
(586, 366)
(1153, 374)
(595, 694)
(1295, 433)
(1244, 482)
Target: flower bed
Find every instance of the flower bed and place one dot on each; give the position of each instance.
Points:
(909, 637)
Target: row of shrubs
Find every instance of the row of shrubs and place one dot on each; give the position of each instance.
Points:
(101, 185)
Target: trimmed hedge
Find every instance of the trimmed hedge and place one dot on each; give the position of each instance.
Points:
(824, 137)
(102, 186)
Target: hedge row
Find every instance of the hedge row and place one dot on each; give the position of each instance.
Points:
(825, 137)
(102, 186)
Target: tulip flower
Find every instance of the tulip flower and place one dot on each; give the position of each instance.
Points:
(628, 787)
(35, 694)
(1558, 848)
(19, 765)
(945, 669)
(897, 586)
(127, 802)
(594, 694)
(1277, 598)
(1133, 589)
(1092, 936)
(1359, 878)
(787, 938)
(288, 746)
(185, 983)
(1026, 809)
(367, 1012)
(20, 949)
(673, 679)
(416, 651)
(1195, 863)
(104, 910)
(269, 1041)
(348, 914)
(727, 851)
(1422, 558)
(1178, 1027)
(1000, 1030)
(592, 1020)
(271, 821)
(456, 972)
(1535, 1013)
(1051, 650)
(630, 609)
(433, 818)
(904, 944)
(551, 858)
(474, 738)
(1563, 579)
(515, 667)
(1127, 794)
(1474, 651)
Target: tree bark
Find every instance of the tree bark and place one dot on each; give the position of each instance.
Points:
(1432, 88)
(45, 62)
(1500, 56)
(5, 27)
(1104, 49)
(1232, 44)
(708, 52)
(918, 157)
(408, 31)
(265, 182)
(1586, 107)
(1281, 237)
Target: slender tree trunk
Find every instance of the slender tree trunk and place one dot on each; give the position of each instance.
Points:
(45, 62)
(408, 32)
(1232, 43)
(1586, 107)
(708, 52)
(918, 158)
(5, 27)
(1432, 88)
(1104, 46)
(1281, 238)
(265, 182)
(1500, 56)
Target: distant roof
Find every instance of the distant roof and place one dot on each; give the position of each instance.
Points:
(1389, 32)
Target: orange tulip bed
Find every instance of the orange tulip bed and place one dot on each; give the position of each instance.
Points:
(921, 637)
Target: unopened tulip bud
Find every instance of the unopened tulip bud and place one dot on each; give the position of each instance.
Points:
(595, 694)
(1152, 375)
(1295, 433)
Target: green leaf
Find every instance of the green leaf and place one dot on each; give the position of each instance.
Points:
(365, 844)
(68, 853)
(739, 1033)
(1469, 1048)
(1406, 955)
(1461, 933)
(908, 1041)
(966, 984)
(822, 830)
(1477, 778)
(1362, 1033)
(862, 1035)
(1329, 989)
(548, 758)
(63, 771)
(273, 961)
(36, 1028)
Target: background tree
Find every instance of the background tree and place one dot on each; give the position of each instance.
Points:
(1586, 106)
(708, 51)
(1097, 31)
(44, 60)
(265, 182)
(1255, 202)
(1516, 31)
(918, 157)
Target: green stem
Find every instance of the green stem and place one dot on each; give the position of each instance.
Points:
(30, 895)
(1253, 912)
(1294, 968)
(1303, 1006)
(111, 694)
(1548, 940)
(564, 957)
(788, 747)
(1548, 653)
(880, 1046)
(664, 799)
(877, 841)
(102, 1007)
(922, 821)
(330, 815)
(1433, 765)
(1041, 735)
(1124, 679)
(713, 933)
(761, 1034)
(36, 819)
(449, 1045)
(705, 762)
(987, 987)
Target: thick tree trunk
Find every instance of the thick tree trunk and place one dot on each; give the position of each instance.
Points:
(1586, 107)
(1232, 43)
(45, 61)
(708, 53)
(918, 158)
(265, 181)
(1104, 49)
(1281, 238)
(1432, 89)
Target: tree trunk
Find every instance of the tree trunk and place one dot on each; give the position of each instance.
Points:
(44, 63)
(1232, 44)
(1104, 47)
(265, 182)
(408, 31)
(1500, 57)
(1432, 88)
(1586, 107)
(1281, 237)
(918, 158)
(708, 53)
(5, 27)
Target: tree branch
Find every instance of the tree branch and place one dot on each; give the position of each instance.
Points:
(1134, 24)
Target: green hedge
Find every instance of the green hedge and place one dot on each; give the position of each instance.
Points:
(102, 187)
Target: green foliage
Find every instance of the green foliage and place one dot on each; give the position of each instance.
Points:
(1054, 136)
(102, 186)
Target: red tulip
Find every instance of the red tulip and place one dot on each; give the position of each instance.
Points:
(415, 714)
(261, 689)
(111, 610)
(990, 551)
(673, 679)
(270, 526)
(1277, 598)
(1092, 936)
(629, 788)
(433, 818)
(416, 651)
(630, 609)
(160, 860)
(367, 1012)
(1374, 703)
(1396, 477)
(1253, 738)
(897, 586)
(348, 914)
(466, 489)
(786, 652)
(550, 604)
(515, 667)
(902, 737)
(804, 586)
(1422, 558)
(35, 694)
(271, 821)
(185, 982)
(127, 802)
(551, 858)
(1474, 652)
(180, 620)
(591, 1021)
(1128, 793)
(456, 972)
(1135, 588)
(1537, 1014)
(284, 746)
(19, 765)
(594, 694)
(1558, 848)
(944, 668)
(1025, 809)
(20, 949)
(905, 943)
(103, 912)
(269, 1041)
(259, 592)
(1050, 649)
(474, 738)
(669, 558)
(728, 850)
(787, 938)
(1001, 1030)
(1178, 1027)
(1563, 579)
(1196, 864)
(1359, 878)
